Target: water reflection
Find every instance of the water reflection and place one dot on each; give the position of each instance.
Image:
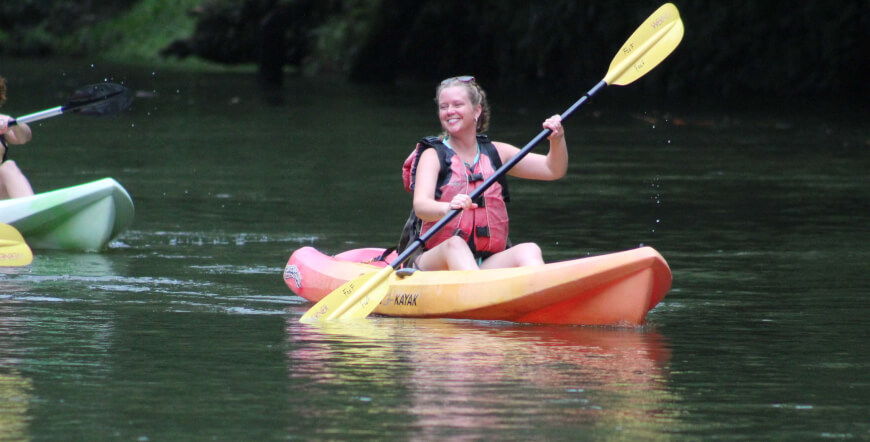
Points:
(439, 376)
(15, 399)
(15, 389)
(81, 264)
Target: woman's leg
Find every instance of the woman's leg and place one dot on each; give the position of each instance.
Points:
(452, 254)
(13, 183)
(525, 254)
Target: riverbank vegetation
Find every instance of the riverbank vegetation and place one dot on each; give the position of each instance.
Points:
(807, 50)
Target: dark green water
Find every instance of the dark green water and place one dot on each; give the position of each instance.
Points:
(184, 329)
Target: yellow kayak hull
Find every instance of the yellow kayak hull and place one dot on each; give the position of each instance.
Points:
(613, 289)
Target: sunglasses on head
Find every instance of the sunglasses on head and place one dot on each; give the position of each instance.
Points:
(461, 78)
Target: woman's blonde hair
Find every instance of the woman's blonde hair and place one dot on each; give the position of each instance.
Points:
(475, 94)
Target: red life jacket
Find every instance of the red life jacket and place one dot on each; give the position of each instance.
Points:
(485, 228)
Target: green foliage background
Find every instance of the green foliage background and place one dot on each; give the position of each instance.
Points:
(805, 49)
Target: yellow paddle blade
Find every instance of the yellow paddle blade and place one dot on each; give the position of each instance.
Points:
(651, 43)
(355, 299)
(14, 252)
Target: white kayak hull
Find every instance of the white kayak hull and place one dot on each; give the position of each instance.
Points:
(83, 218)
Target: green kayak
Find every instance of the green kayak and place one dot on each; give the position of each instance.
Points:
(84, 217)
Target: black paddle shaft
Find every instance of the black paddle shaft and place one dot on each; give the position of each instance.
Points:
(95, 100)
(493, 178)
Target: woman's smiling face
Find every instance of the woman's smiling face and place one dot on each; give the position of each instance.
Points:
(456, 111)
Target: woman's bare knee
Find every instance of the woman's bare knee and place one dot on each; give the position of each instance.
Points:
(452, 254)
(520, 255)
(531, 252)
(455, 244)
(13, 183)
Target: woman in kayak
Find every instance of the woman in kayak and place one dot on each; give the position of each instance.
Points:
(446, 170)
(13, 183)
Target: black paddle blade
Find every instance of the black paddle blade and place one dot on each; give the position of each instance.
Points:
(99, 99)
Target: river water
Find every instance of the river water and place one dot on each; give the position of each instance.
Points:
(184, 330)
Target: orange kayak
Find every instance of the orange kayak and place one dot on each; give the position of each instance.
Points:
(613, 289)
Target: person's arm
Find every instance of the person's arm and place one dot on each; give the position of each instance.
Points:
(18, 134)
(535, 166)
